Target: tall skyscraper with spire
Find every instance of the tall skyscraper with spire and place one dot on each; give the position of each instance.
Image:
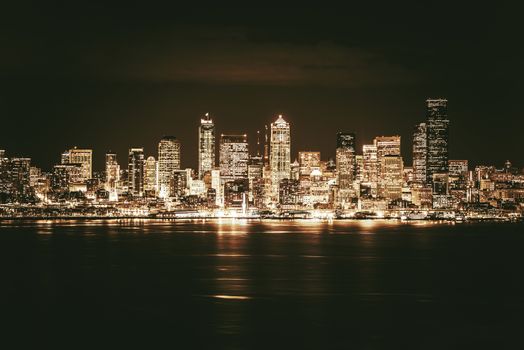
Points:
(206, 146)
(168, 161)
(437, 137)
(280, 153)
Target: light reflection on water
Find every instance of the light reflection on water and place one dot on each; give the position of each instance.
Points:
(304, 279)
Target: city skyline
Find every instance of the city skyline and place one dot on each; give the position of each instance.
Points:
(123, 76)
(374, 180)
(406, 151)
(262, 176)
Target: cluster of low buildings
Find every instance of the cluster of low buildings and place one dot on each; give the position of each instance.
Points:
(269, 181)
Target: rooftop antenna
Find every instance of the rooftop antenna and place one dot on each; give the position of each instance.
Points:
(258, 143)
(266, 147)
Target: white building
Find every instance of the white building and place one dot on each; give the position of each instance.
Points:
(280, 153)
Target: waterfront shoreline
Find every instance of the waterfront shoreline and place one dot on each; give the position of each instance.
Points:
(254, 219)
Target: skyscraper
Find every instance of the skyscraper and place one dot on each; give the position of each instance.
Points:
(168, 161)
(216, 186)
(179, 183)
(437, 137)
(206, 146)
(255, 170)
(63, 176)
(112, 171)
(420, 153)
(392, 177)
(150, 178)
(280, 153)
(345, 159)
(308, 161)
(234, 156)
(15, 180)
(83, 157)
(458, 168)
(387, 145)
(370, 168)
(135, 171)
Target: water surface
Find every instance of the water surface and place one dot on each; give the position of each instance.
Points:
(265, 285)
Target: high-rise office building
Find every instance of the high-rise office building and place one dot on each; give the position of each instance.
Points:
(437, 137)
(216, 186)
(392, 177)
(255, 171)
(179, 183)
(458, 168)
(420, 154)
(135, 171)
(308, 161)
(234, 157)
(458, 174)
(345, 159)
(236, 193)
(112, 171)
(150, 176)
(386, 146)
(289, 192)
(83, 157)
(370, 171)
(64, 175)
(65, 157)
(15, 183)
(280, 153)
(206, 146)
(359, 165)
(370, 164)
(168, 161)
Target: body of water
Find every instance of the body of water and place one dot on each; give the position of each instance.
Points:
(264, 285)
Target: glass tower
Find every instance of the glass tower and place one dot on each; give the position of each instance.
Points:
(135, 171)
(206, 146)
(437, 137)
(420, 153)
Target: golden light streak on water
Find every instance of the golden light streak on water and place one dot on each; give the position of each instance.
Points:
(230, 297)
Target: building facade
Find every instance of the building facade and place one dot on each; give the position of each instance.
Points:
(280, 153)
(234, 157)
(437, 137)
(150, 176)
(308, 161)
(169, 150)
(83, 157)
(420, 154)
(345, 159)
(112, 171)
(135, 171)
(206, 146)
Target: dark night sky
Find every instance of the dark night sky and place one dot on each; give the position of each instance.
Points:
(123, 75)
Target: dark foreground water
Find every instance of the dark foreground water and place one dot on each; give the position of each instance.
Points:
(264, 285)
